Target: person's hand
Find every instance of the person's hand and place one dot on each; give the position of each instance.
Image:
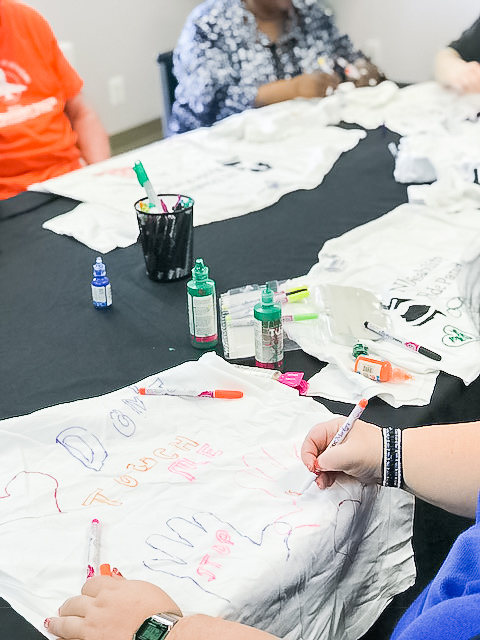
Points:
(315, 85)
(110, 608)
(366, 73)
(465, 76)
(359, 455)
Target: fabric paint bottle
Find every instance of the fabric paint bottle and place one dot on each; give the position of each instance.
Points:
(380, 370)
(101, 287)
(202, 308)
(268, 332)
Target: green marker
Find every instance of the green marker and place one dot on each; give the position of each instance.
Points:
(249, 321)
(147, 185)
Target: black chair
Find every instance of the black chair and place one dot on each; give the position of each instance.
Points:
(168, 82)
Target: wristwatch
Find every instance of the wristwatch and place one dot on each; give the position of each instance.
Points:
(156, 627)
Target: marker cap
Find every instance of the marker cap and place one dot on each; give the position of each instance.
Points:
(228, 394)
(140, 171)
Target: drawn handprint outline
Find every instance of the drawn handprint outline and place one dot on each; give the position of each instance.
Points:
(216, 540)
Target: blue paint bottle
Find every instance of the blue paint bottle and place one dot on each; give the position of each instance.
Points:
(101, 287)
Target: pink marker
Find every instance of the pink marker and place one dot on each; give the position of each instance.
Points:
(93, 549)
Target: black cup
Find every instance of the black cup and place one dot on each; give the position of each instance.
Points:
(167, 237)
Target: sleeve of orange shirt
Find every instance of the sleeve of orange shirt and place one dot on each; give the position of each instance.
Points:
(92, 139)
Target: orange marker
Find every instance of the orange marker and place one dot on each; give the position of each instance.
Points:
(227, 394)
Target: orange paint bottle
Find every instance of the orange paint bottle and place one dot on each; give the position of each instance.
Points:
(380, 370)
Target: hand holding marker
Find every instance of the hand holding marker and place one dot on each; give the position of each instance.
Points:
(93, 561)
(93, 549)
(341, 435)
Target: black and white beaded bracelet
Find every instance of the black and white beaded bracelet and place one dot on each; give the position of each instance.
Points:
(392, 475)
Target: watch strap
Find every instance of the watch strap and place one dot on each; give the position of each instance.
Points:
(156, 627)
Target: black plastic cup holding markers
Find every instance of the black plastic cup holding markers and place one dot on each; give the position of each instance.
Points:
(167, 237)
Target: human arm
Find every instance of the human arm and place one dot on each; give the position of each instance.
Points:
(440, 462)
(306, 85)
(364, 73)
(92, 139)
(209, 87)
(451, 70)
(114, 608)
(338, 50)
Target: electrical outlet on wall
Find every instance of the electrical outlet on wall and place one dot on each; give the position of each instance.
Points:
(116, 90)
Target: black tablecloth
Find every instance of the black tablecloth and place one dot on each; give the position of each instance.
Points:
(56, 347)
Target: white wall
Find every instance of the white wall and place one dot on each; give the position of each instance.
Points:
(123, 38)
(403, 36)
(118, 37)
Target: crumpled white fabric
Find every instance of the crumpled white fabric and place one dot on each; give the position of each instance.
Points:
(200, 496)
(429, 155)
(410, 110)
(242, 164)
(414, 258)
(98, 227)
(367, 106)
(450, 193)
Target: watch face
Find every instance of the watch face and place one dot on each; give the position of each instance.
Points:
(152, 629)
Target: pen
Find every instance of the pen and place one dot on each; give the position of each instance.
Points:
(93, 549)
(413, 346)
(227, 394)
(341, 434)
(248, 321)
(147, 185)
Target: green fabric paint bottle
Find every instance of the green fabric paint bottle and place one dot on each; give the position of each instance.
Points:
(268, 332)
(202, 308)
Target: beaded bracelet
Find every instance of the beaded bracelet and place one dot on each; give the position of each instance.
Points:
(392, 475)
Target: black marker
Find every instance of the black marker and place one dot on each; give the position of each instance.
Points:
(413, 346)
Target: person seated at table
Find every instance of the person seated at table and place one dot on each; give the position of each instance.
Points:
(458, 66)
(236, 54)
(440, 465)
(46, 127)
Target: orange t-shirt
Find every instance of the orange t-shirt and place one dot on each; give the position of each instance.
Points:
(36, 138)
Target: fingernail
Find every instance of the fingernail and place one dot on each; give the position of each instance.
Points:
(105, 570)
(116, 572)
(46, 623)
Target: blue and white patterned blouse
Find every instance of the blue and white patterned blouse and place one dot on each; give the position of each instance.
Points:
(222, 58)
